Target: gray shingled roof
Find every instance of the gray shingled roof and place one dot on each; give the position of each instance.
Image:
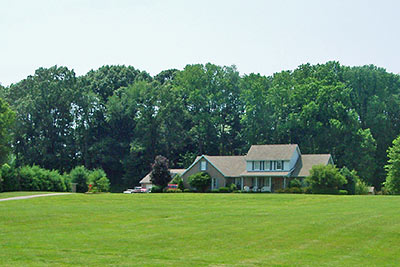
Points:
(306, 162)
(271, 152)
(147, 178)
(230, 166)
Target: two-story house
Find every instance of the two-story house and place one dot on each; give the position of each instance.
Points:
(265, 167)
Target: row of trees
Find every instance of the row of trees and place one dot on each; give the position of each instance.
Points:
(119, 118)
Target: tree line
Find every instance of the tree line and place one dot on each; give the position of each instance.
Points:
(119, 118)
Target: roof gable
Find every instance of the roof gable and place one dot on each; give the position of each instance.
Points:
(271, 152)
(306, 162)
(228, 166)
(147, 178)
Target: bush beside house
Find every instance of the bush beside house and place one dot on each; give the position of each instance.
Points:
(201, 181)
(325, 179)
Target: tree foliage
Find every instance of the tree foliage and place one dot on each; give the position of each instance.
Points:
(160, 174)
(392, 183)
(119, 118)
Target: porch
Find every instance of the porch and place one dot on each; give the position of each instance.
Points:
(259, 183)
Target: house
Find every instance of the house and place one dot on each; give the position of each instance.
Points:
(264, 168)
(146, 181)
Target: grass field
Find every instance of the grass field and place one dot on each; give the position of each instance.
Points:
(200, 229)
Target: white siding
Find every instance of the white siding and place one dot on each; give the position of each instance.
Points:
(286, 165)
(294, 159)
(249, 166)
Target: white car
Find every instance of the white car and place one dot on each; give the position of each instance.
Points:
(128, 191)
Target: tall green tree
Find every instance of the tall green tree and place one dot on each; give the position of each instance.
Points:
(211, 95)
(7, 117)
(44, 125)
(392, 183)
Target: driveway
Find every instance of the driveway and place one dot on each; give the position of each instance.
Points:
(33, 196)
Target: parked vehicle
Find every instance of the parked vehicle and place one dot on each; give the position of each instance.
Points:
(138, 189)
(172, 186)
(128, 191)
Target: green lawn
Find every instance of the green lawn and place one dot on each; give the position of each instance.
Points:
(200, 229)
(22, 193)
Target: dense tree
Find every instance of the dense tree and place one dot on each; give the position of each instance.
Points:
(44, 125)
(392, 183)
(160, 174)
(119, 118)
(210, 94)
(7, 117)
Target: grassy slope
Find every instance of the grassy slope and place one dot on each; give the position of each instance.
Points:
(200, 229)
(22, 193)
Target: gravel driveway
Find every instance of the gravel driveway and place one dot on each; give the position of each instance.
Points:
(32, 196)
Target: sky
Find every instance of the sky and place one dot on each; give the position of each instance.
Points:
(154, 35)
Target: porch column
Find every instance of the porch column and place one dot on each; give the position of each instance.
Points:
(284, 182)
(241, 183)
(270, 185)
(256, 182)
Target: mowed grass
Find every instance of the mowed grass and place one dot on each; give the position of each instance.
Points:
(200, 230)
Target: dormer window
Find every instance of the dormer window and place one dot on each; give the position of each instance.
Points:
(203, 165)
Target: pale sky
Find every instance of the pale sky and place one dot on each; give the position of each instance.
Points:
(257, 36)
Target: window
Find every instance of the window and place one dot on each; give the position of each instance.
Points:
(262, 165)
(214, 183)
(203, 165)
(256, 165)
(279, 165)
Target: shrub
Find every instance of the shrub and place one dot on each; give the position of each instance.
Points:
(343, 192)
(224, 190)
(361, 188)
(156, 189)
(103, 185)
(281, 190)
(181, 185)
(325, 179)
(214, 191)
(307, 190)
(200, 181)
(98, 178)
(327, 191)
(28, 178)
(34, 178)
(10, 178)
(295, 183)
(233, 187)
(187, 190)
(80, 176)
(351, 178)
(173, 190)
(295, 190)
